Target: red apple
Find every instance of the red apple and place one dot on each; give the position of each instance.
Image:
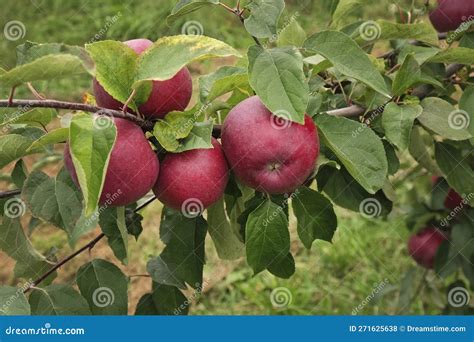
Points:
(424, 245)
(450, 14)
(192, 180)
(166, 96)
(453, 200)
(268, 153)
(133, 166)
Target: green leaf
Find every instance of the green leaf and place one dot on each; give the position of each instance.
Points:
(14, 242)
(199, 137)
(164, 300)
(182, 260)
(45, 68)
(277, 77)
(19, 173)
(57, 300)
(263, 19)
(343, 10)
(292, 35)
(168, 55)
(459, 55)
(397, 122)
(224, 80)
(90, 145)
(227, 243)
(283, 268)
(29, 51)
(104, 286)
(466, 103)
(53, 137)
(13, 302)
(116, 64)
(444, 119)
(422, 149)
(457, 168)
(57, 201)
(16, 146)
(133, 221)
(315, 215)
(389, 30)
(347, 57)
(421, 53)
(359, 149)
(184, 7)
(24, 115)
(409, 75)
(112, 222)
(267, 236)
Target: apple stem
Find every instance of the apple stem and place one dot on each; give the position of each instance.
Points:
(125, 105)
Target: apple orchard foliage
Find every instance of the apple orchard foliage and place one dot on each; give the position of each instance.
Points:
(411, 108)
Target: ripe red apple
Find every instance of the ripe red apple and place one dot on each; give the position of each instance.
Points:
(450, 14)
(268, 153)
(453, 200)
(192, 180)
(133, 166)
(166, 96)
(424, 245)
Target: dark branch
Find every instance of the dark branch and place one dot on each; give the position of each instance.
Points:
(10, 193)
(148, 125)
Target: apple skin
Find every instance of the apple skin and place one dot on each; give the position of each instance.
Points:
(133, 166)
(197, 176)
(271, 158)
(424, 245)
(166, 96)
(450, 14)
(453, 200)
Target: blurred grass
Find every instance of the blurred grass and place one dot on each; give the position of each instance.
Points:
(330, 279)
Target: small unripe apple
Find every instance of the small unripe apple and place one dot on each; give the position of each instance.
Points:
(450, 14)
(266, 152)
(166, 96)
(192, 180)
(133, 166)
(424, 245)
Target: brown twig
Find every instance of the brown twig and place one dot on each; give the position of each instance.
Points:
(86, 247)
(239, 13)
(148, 125)
(10, 193)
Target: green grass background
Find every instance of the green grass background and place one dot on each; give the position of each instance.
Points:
(331, 278)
